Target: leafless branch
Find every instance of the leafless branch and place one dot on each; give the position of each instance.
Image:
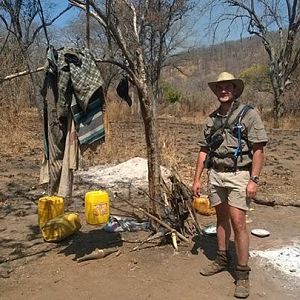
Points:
(39, 69)
(5, 41)
(99, 15)
(19, 74)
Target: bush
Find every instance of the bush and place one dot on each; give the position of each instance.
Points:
(170, 94)
(257, 77)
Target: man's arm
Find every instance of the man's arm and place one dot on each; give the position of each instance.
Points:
(198, 172)
(257, 164)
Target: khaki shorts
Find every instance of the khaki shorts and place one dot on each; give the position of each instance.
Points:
(228, 187)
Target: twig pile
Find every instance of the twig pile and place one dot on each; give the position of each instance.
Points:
(177, 218)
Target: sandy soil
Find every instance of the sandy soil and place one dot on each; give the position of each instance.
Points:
(33, 269)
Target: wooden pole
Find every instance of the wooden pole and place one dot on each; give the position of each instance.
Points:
(23, 73)
(12, 76)
(39, 69)
(88, 42)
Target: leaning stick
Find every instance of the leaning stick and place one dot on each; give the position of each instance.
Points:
(96, 254)
(130, 214)
(182, 237)
(194, 218)
(164, 225)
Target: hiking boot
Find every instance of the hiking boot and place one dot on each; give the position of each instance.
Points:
(242, 282)
(218, 265)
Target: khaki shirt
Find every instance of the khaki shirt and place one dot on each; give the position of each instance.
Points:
(253, 132)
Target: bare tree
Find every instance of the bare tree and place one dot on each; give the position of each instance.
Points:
(276, 23)
(140, 30)
(24, 20)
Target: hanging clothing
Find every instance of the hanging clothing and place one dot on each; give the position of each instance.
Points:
(70, 160)
(89, 124)
(73, 103)
(79, 77)
(55, 131)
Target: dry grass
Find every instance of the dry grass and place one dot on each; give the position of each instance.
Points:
(169, 152)
(20, 132)
(117, 146)
(290, 122)
(21, 127)
(118, 110)
(116, 149)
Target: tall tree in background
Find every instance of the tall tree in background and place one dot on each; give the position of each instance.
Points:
(142, 30)
(276, 23)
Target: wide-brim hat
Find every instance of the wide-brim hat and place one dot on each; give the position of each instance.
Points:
(227, 77)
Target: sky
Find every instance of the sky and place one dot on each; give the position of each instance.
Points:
(197, 32)
(60, 5)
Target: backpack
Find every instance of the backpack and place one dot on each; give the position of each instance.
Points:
(215, 139)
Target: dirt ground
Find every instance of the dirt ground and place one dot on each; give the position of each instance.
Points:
(33, 269)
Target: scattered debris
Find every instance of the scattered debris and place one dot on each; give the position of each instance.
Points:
(96, 254)
(120, 224)
(210, 229)
(260, 232)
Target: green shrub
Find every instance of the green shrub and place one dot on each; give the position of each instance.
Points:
(170, 94)
(257, 77)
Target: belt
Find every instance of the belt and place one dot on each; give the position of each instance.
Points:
(230, 169)
(228, 155)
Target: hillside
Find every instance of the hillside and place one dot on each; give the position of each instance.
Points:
(189, 73)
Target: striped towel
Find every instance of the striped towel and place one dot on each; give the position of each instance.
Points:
(89, 124)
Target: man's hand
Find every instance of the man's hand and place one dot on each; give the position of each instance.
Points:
(251, 189)
(196, 188)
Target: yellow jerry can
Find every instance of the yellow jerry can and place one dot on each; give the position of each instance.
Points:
(97, 207)
(61, 227)
(49, 207)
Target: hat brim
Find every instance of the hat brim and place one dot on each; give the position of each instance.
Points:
(238, 83)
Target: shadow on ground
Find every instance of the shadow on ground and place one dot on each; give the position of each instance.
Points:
(207, 244)
(86, 242)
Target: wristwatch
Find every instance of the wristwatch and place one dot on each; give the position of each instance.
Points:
(254, 179)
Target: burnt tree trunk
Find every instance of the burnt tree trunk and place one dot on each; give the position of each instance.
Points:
(277, 109)
(277, 81)
(149, 115)
(152, 141)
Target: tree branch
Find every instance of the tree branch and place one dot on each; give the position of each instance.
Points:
(5, 41)
(19, 74)
(39, 69)
(47, 24)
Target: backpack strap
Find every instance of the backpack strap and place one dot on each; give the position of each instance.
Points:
(242, 113)
(222, 126)
(238, 124)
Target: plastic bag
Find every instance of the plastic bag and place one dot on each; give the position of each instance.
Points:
(119, 224)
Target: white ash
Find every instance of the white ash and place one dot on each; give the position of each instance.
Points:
(132, 172)
(286, 259)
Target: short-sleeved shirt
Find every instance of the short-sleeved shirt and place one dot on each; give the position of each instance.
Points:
(252, 130)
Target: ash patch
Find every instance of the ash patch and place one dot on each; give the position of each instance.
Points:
(133, 172)
(286, 259)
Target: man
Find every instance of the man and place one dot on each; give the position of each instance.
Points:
(231, 148)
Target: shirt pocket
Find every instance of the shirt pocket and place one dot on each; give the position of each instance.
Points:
(208, 129)
(257, 134)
